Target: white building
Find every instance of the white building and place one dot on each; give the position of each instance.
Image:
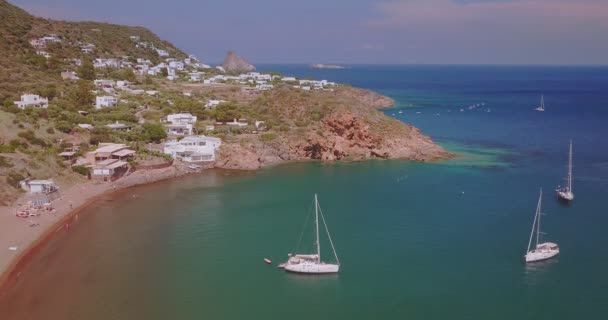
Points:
(288, 79)
(193, 148)
(162, 53)
(134, 38)
(105, 101)
(213, 103)
(44, 54)
(180, 124)
(32, 100)
(104, 83)
(69, 75)
(38, 186)
(177, 65)
(37, 43)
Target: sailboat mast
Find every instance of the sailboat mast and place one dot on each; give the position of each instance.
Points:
(538, 213)
(570, 168)
(542, 102)
(317, 225)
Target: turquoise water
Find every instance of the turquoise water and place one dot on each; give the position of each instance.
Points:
(416, 240)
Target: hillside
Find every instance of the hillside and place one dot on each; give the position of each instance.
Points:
(88, 77)
(24, 70)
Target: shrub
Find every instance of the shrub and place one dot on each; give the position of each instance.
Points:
(268, 136)
(81, 169)
(63, 126)
(13, 179)
(5, 163)
(50, 131)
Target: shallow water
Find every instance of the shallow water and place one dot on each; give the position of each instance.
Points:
(418, 241)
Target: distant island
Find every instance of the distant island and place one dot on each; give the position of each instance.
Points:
(328, 66)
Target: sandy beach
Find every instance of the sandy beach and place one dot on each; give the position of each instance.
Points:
(21, 236)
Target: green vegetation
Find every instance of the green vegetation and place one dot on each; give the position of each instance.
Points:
(81, 170)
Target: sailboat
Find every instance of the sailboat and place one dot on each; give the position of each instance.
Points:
(566, 192)
(542, 104)
(541, 251)
(312, 263)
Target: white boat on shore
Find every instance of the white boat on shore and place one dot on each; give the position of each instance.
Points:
(566, 193)
(312, 263)
(541, 251)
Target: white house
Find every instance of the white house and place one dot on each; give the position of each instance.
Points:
(105, 101)
(162, 53)
(69, 75)
(32, 100)
(51, 38)
(44, 54)
(38, 186)
(134, 38)
(180, 124)
(37, 43)
(213, 103)
(177, 65)
(104, 83)
(288, 79)
(193, 148)
(119, 126)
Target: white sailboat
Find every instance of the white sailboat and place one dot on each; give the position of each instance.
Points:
(566, 192)
(312, 263)
(541, 251)
(542, 104)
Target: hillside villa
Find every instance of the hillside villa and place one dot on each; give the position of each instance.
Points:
(105, 101)
(193, 148)
(180, 124)
(32, 100)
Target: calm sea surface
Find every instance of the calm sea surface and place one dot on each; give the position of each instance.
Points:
(416, 241)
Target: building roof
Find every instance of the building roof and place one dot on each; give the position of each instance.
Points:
(117, 126)
(116, 164)
(67, 153)
(41, 182)
(123, 153)
(200, 138)
(110, 148)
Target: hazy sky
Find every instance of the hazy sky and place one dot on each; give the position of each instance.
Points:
(362, 31)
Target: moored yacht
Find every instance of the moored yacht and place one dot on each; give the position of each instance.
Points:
(312, 263)
(541, 251)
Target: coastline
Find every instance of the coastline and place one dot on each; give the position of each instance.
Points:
(68, 206)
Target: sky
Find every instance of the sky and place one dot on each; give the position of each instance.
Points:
(362, 31)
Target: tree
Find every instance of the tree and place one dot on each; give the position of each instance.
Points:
(86, 70)
(227, 111)
(164, 72)
(154, 132)
(53, 63)
(82, 95)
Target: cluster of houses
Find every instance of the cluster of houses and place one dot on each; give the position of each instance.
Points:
(43, 41)
(108, 162)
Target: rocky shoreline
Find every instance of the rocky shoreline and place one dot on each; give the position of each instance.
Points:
(350, 133)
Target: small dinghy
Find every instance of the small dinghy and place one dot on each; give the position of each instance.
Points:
(267, 260)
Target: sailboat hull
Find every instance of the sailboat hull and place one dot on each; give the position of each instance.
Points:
(565, 195)
(542, 252)
(312, 268)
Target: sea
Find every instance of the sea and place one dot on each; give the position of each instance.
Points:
(415, 240)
